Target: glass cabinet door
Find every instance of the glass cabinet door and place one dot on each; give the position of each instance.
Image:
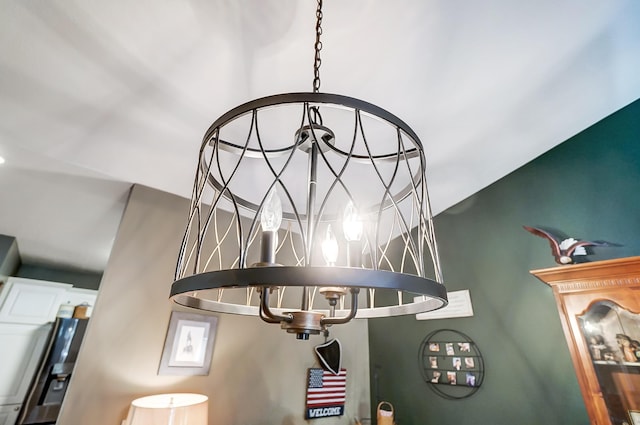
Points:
(612, 334)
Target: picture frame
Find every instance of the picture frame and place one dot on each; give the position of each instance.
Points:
(470, 379)
(456, 363)
(449, 348)
(188, 346)
(433, 361)
(464, 347)
(469, 363)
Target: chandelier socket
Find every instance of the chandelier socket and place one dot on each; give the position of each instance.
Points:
(304, 323)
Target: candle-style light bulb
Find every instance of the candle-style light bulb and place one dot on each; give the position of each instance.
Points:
(271, 215)
(351, 223)
(330, 252)
(270, 220)
(352, 227)
(330, 247)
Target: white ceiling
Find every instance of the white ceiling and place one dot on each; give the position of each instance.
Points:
(97, 95)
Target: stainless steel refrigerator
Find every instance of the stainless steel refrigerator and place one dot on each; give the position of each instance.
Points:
(49, 386)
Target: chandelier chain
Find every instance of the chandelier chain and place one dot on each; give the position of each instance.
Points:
(318, 46)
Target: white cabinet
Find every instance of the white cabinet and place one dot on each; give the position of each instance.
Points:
(31, 301)
(9, 414)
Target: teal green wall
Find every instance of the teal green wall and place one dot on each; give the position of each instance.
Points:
(588, 187)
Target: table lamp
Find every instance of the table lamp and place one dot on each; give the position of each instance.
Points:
(169, 409)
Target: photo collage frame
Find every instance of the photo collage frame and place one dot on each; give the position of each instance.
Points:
(451, 363)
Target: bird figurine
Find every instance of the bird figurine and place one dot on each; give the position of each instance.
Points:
(565, 249)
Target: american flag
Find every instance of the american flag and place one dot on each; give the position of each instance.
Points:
(325, 388)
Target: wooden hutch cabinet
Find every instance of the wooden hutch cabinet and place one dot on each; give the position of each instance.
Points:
(599, 306)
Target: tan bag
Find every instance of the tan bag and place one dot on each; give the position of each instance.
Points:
(385, 417)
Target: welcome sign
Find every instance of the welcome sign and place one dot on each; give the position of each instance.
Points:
(326, 393)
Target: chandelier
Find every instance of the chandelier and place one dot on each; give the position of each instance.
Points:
(309, 210)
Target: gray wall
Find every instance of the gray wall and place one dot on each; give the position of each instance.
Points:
(258, 372)
(9, 256)
(11, 264)
(588, 187)
(78, 278)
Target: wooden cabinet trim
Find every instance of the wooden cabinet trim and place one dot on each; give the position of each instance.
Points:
(597, 275)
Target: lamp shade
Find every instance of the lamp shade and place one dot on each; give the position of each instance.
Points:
(291, 163)
(169, 409)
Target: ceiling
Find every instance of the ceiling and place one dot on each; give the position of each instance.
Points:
(98, 95)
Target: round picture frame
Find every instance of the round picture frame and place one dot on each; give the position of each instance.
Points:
(451, 364)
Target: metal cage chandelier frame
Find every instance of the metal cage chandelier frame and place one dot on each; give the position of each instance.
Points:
(276, 178)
